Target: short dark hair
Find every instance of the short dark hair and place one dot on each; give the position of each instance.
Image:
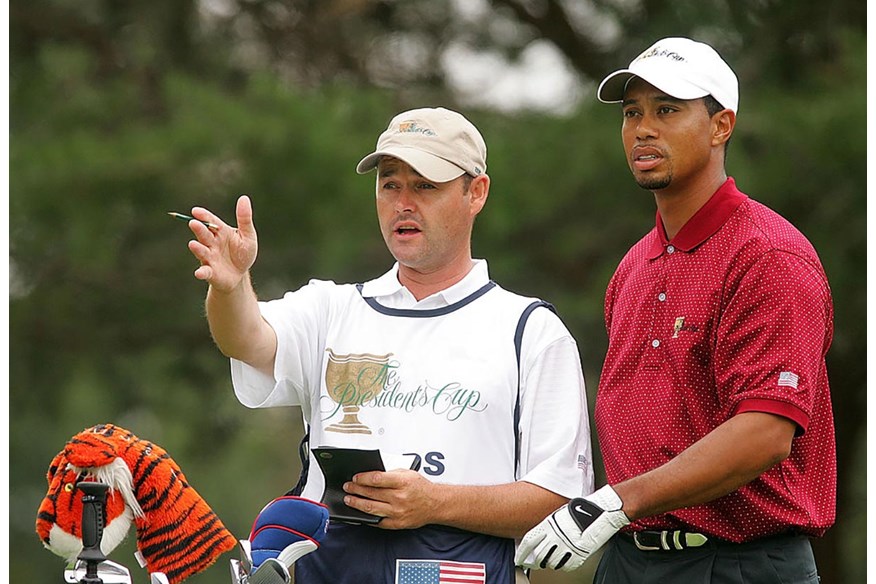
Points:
(713, 106)
(466, 181)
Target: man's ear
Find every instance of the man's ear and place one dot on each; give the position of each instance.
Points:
(723, 123)
(479, 190)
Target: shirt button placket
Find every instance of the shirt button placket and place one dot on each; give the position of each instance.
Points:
(661, 299)
(653, 353)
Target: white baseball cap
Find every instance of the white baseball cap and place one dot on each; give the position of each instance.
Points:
(683, 68)
(438, 143)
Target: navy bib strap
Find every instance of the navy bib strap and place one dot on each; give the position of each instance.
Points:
(376, 556)
(304, 454)
(518, 347)
(428, 313)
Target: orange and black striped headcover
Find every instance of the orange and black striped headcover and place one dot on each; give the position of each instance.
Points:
(177, 532)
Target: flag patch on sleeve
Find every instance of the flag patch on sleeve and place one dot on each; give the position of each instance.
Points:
(788, 379)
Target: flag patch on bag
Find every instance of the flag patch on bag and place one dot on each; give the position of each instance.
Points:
(788, 379)
(439, 572)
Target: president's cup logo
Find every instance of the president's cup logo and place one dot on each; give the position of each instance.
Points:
(352, 380)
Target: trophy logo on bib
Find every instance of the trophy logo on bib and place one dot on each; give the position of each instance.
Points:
(352, 380)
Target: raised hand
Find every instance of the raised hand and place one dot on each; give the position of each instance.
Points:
(226, 254)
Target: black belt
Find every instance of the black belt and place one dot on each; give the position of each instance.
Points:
(666, 541)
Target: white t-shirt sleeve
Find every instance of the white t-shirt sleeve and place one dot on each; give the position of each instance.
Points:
(555, 446)
(299, 320)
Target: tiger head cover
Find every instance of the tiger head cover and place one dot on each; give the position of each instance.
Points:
(178, 534)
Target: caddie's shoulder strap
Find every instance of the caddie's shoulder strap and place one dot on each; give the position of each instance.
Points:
(518, 348)
(304, 454)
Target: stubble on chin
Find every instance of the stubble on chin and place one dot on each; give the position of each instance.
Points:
(654, 180)
(654, 183)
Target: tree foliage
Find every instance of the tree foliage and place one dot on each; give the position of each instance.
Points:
(121, 112)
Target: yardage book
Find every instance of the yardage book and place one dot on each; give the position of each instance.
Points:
(338, 466)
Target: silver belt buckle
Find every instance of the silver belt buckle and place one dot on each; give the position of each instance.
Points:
(671, 540)
(644, 548)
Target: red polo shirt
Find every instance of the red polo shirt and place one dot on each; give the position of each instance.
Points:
(733, 315)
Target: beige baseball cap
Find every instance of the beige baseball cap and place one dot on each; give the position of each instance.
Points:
(438, 143)
(681, 67)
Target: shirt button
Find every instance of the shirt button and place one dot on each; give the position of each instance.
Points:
(661, 297)
(655, 343)
(670, 249)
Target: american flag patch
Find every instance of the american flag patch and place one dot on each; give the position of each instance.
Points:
(788, 379)
(582, 462)
(439, 572)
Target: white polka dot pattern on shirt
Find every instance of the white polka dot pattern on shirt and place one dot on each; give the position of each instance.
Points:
(706, 332)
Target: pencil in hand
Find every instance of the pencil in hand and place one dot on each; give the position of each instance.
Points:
(188, 218)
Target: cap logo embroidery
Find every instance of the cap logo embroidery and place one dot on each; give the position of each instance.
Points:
(658, 52)
(415, 128)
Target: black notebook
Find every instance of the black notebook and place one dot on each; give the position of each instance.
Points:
(338, 466)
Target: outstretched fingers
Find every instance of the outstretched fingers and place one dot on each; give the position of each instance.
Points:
(243, 212)
(202, 253)
(225, 253)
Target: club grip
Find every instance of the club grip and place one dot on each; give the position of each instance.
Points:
(93, 519)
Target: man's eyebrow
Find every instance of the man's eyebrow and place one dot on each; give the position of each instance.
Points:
(657, 98)
(670, 99)
(391, 169)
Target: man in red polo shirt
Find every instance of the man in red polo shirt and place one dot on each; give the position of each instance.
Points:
(713, 412)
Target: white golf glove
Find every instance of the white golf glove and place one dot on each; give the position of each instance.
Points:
(567, 537)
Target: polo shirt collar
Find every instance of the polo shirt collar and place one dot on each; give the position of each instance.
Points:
(704, 223)
(390, 293)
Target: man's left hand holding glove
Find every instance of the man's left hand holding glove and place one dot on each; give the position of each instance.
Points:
(567, 537)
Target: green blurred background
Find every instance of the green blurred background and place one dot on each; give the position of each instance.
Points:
(122, 111)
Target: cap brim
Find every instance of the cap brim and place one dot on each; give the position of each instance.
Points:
(432, 167)
(612, 88)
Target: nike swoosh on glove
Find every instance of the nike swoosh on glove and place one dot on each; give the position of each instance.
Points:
(567, 537)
